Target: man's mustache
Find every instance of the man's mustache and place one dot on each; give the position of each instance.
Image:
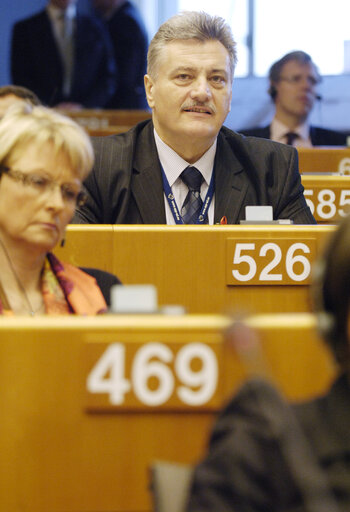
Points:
(201, 107)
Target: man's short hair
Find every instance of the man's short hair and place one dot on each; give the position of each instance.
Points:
(20, 92)
(191, 25)
(275, 70)
(331, 292)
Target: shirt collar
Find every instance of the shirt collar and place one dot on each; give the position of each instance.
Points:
(55, 13)
(173, 164)
(279, 130)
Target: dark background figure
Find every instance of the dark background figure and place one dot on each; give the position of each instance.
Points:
(267, 454)
(10, 94)
(65, 57)
(293, 89)
(130, 42)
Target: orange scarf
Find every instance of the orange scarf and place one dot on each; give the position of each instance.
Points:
(68, 290)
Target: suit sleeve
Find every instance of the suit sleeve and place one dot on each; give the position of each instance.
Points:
(108, 184)
(91, 211)
(291, 202)
(244, 470)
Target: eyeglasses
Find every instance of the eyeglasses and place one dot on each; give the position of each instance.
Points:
(297, 79)
(41, 185)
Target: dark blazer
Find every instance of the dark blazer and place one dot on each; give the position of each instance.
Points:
(267, 456)
(36, 62)
(318, 136)
(125, 186)
(130, 44)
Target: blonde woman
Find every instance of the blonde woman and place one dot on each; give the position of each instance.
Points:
(44, 158)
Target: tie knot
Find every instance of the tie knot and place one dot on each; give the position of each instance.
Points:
(290, 137)
(192, 177)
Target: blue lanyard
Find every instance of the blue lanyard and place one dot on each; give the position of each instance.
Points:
(174, 208)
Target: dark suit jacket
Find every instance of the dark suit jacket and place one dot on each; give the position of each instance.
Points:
(267, 456)
(130, 43)
(36, 62)
(125, 186)
(318, 136)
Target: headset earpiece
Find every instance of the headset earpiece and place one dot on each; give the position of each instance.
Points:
(272, 92)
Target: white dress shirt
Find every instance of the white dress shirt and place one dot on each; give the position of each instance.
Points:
(62, 22)
(279, 130)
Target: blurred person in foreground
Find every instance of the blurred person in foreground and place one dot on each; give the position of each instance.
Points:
(44, 158)
(269, 455)
(10, 94)
(184, 166)
(293, 89)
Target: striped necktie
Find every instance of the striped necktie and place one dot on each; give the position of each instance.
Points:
(193, 203)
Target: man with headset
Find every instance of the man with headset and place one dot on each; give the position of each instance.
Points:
(293, 89)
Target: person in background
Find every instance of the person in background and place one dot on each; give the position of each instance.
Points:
(44, 158)
(183, 166)
(293, 89)
(268, 454)
(66, 58)
(10, 94)
(130, 43)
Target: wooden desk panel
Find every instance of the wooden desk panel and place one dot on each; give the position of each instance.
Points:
(327, 196)
(81, 249)
(324, 159)
(188, 264)
(99, 119)
(55, 456)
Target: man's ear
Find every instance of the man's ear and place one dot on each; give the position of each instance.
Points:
(149, 88)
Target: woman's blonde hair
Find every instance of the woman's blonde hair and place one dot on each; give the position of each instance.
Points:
(24, 124)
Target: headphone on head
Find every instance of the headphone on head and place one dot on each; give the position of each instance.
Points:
(272, 91)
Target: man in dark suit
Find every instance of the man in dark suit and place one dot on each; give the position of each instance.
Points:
(64, 57)
(183, 166)
(267, 454)
(130, 42)
(293, 83)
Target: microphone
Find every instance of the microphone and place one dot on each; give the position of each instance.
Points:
(318, 97)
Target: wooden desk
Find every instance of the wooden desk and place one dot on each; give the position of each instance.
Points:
(108, 130)
(327, 196)
(97, 121)
(193, 266)
(324, 159)
(58, 456)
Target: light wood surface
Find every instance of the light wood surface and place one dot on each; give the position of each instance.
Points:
(328, 196)
(190, 265)
(57, 456)
(324, 159)
(106, 122)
